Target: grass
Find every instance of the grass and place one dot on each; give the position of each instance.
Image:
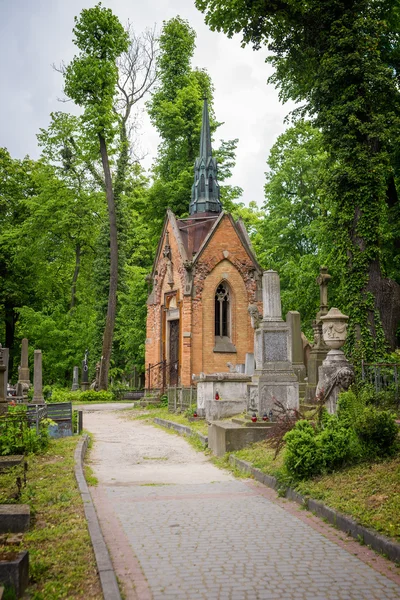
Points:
(62, 563)
(369, 492)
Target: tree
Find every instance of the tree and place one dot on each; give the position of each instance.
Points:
(292, 237)
(90, 80)
(342, 61)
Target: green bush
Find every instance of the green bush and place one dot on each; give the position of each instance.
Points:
(385, 399)
(377, 429)
(339, 444)
(303, 457)
(62, 395)
(16, 437)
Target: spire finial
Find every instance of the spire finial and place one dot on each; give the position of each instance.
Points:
(205, 190)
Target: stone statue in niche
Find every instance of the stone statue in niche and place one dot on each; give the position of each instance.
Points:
(167, 253)
(254, 316)
(188, 265)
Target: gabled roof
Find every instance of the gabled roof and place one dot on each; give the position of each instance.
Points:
(194, 233)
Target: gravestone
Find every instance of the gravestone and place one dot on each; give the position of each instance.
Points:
(274, 378)
(23, 375)
(75, 380)
(37, 378)
(319, 349)
(296, 348)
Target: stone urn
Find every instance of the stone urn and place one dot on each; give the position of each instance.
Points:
(334, 329)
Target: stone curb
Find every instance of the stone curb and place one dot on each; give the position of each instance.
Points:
(376, 541)
(105, 567)
(181, 429)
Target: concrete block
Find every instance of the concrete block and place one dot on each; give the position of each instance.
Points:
(227, 436)
(221, 409)
(15, 573)
(14, 518)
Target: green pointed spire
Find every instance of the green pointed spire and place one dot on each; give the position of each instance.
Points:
(205, 189)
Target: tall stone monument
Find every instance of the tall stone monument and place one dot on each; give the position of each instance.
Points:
(336, 374)
(296, 347)
(3, 396)
(23, 376)
(319, 349)
(274, 378)
(75, 379)
(85, 373)
(37, 378)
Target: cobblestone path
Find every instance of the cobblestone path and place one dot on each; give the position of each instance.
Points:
(179, 528)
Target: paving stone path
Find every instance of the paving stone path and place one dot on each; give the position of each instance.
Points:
(179, 528)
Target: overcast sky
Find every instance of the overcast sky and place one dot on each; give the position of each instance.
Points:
(34, 34)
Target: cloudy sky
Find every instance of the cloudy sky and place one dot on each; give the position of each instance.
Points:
(34, 34)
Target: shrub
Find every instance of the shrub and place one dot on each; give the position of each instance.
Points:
(385, 399)
(349, 406)
(62, 395)
(303, 456)
(377, 429)
(339, 444)
(16, 437)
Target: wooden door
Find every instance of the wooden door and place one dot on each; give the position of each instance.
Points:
(173, 352)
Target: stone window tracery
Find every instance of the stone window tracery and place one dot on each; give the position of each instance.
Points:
(222, 311)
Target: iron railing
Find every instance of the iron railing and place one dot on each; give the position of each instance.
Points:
(383, 376)
(181, 398)
(161, 374)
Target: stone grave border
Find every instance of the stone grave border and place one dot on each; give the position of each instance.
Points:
(105, 567)
(182, 430)
(376, 541)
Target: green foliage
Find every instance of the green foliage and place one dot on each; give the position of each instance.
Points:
(340, 61)
(377, 430)
(63, 395)
(91, 77)
(303, 456)
(16, 437)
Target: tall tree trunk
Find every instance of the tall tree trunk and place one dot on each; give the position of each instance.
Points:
(112, 294)
(387, 302)
(76, 273)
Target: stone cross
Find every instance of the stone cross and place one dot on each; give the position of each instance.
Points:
(24, 368)
(37, 378)
(323, 280)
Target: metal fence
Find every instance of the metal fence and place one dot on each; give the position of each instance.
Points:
(383, 376)
(181, 398)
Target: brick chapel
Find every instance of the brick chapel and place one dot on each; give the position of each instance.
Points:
(204, 277)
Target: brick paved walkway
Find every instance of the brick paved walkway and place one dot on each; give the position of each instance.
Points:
(219, 539)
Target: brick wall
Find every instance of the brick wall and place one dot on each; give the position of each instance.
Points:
(223, 258)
